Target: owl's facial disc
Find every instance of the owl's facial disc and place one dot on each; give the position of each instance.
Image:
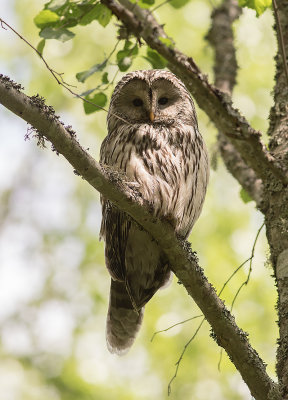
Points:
(141, 102)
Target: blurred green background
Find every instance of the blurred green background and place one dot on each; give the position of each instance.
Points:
(53, 282)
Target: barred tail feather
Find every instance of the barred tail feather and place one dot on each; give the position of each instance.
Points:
(123, 322)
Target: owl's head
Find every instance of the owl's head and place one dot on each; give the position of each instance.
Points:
(151, 97)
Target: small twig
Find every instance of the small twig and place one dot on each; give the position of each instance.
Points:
(159, 5)
(280, 38)
(55, 74)
(178, 323)
(244, 283)
(233, 273)
(250, 265)
(182, 355)
(220, 359)
(242, 265)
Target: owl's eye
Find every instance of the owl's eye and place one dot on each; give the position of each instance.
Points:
(137, 102)
(162, 101)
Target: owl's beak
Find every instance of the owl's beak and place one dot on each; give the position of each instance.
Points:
(151, 116)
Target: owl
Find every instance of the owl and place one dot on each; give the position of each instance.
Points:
(153, 139)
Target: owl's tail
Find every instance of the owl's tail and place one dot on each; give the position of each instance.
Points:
(123, 322)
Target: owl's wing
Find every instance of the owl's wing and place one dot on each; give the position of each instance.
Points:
(115, 224)
(115, 228)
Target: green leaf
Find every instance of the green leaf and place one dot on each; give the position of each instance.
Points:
(71, 12)
(125, 63)
(90, 16)
(144, 3)
(82, 76)
(84, 94)
(134, 51)
(40, 46)
(54, 5)
(156, 61)
(127, 44)
(168, 42)
(46, 18)
(178, 3)
(104, 78)
(258, 5)
(125, 57)
(105, 15)
(245, 196)
(99, 99)
(262, 5)
(130, 51)
(124, 53)
(61, 34)
(100, 13)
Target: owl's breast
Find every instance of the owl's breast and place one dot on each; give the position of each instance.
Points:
(156, 166)
(150, 156)
(170, 166)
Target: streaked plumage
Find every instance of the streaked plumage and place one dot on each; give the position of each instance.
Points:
(156, 143)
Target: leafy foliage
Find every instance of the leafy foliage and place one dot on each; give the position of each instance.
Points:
(245, 196)
(54, 33)
(40, 46)
(58, 15)
(178, 3)
(125, 57)
(144, 3)
(104, 78)
(167, 41)
(155, 59)
(99, 101)
(100, 13)
(46, 17)
(82, 76)
(258, 5)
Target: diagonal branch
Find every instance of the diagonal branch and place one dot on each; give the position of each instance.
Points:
(215, 103)
(221, 38)
(225, 331)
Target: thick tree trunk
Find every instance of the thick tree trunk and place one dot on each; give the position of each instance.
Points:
(276, 194)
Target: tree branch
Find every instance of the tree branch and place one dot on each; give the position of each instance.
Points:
(185, 266)
(280, 39)
(221, 38)
(216, 104)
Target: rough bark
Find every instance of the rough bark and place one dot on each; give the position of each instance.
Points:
(185, 266)
(273, 198)
(221, 38)
(277, 196)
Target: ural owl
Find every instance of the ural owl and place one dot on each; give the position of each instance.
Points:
(153, 138)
